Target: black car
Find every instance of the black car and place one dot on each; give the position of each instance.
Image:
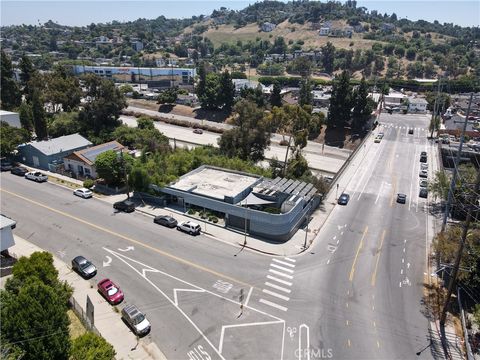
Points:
(401, 198)
(6, 165)
(19, 170)
(423, 193)
(165, 220)
(84, 267)
(423, 158)
(124, 205)
(410, 131)
(343, 199)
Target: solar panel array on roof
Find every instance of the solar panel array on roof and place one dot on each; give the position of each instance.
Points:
(306, 189)
(286, 185)
(310, 194)
(93, 153)
(292, 186)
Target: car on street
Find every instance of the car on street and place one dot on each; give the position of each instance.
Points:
(198, 131)
(423, 192)
(5, 165)
(343, 199)
(410, 131)
(381, 135)
(110, 291)
(124, 205)
(423, 153)
(19, 170)
(83, 192)
(136, 320)
(165, 220)
(377, 139)
(36, 176)
(401, 198)
(84, 267)
(423, 158)
(423, 183)
(423, 166)
(423, 173)
(189, 227)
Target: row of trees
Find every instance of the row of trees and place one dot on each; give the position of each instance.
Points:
(34, 321)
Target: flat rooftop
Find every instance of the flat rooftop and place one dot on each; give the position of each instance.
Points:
(214, 182)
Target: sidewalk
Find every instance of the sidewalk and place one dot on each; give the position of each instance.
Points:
(107, 321)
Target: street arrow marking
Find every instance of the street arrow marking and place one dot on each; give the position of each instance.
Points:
(108, 262)
(127, 249)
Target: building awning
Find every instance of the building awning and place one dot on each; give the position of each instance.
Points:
(252, 199)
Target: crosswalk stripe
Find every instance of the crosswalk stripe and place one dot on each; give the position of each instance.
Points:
(280, 273)
(278, 287)
(266, 302)
(281, 268)
(284, 282)
(284, 263)
(273, 293)
(290, 259)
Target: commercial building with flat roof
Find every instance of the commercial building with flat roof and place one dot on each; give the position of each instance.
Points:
(269, 208)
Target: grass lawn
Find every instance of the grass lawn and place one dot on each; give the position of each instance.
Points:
(76, 327)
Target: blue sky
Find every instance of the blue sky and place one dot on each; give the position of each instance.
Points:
(74, 12)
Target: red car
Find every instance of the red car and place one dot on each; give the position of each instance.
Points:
(110, 291)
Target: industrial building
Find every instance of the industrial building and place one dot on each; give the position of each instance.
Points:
(273, 209)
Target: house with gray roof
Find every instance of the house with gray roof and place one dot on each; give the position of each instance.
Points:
(49, 154)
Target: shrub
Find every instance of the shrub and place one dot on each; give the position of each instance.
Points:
(191, 212)
(283, 142)
(88, 183)
(214, 219)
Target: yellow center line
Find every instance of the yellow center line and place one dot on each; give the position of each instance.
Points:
(352, 271)
(161, 252)
(374, 275)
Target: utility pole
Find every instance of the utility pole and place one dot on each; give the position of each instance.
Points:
(453, 278)
(455, 167)
(286, 155)
(434, 113)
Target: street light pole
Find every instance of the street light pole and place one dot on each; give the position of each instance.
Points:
(245, 221)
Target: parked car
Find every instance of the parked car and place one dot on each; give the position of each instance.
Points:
(83, 192)
(410, 131)
(124, 205)
(423, 173)
(36, 176)
(136, 320)
(423, 166)
(423, 153)
(5, 165)
(165, 220)
(377, 139)
(381, 135)
(423, 192)
(423, 183)
(401, 198)
(198, 131)
(423, 158)
(19, 170)
(343, 199)
(189, 227)
(84, 267)
(110, 291)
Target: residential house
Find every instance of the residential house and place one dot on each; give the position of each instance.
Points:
(417, 105)
(393, 99)
(321, 98)
(137, 45)
(49, 154)
(388, 27)
(268, 26)
(82, 162)
(324, 31)
(11, 118)
(245, 83)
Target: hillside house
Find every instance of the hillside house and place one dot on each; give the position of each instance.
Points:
(268, 27)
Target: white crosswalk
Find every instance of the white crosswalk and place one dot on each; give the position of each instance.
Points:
(278, 287)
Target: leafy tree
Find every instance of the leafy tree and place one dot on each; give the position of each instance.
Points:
(297, 166)
(10, 94)
(139, 179)
(434, 125)
(254, 95)
(91, 346)
(28, 72)
(202, 79)
(168, 96)
(250, 137)
(439, 185)
(144, 122)
(340, 102)
(26, 116)
(328, 52)
(62, 90)
(11, 137)
(411, 54)
(39, 116)
(126, 88)
(111, 167)
(227, 91)
(276, 97)
(305, 95)
(209, 99)
(64, 123)
(399, 51)
(300, 65)
(362, 109)
(36, 320)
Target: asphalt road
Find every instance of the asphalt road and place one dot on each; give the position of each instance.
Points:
(355, 295)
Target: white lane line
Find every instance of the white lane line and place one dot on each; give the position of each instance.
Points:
(284, 263)
(282, 268)
(278, 287)
(280, 273)
(379, 191)
(290, 259)
(288, 283)
(413, 178)
(341, 233)
(272, 304)
(248, 296)
(273, 293)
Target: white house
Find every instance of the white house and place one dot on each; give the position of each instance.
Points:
(267, 27)
(324, 31)
(417, 105)
(394, 99)
(11, 118)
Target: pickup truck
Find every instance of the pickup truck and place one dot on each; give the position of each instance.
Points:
(36, 176)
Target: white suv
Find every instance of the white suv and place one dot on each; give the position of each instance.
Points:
(189, 227)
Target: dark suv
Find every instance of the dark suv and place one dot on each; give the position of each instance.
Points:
(19, 170)
(124, 205)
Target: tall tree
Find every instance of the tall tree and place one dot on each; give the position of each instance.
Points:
(26, 116)
(305, 96)
(362, 109)
(340, 102)
(62, 90)
(209, 98)
(11, 137)
(328, 57)
(227, 91)
(276, 97)
(202, 79)
(28, 72)
(10, 93)
(39, 116)
(112, 168)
